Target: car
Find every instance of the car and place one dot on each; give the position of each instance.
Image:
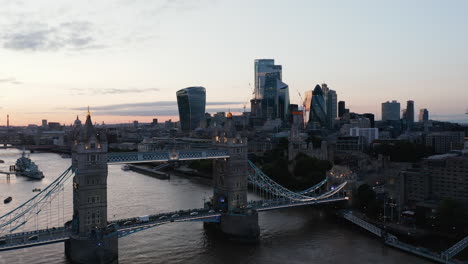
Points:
(265, 204)
(128, 223)
(211, 211)
(249, 206)
(162, 217)
(194, 213)
(175, 215)
(35, 237)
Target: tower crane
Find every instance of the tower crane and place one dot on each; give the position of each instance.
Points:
(303, 107)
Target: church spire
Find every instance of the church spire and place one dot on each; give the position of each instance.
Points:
(88, 114)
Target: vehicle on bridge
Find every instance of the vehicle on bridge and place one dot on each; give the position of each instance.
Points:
(144, 218)
(35, 237)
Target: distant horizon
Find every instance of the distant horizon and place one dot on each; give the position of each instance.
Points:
(96, 118)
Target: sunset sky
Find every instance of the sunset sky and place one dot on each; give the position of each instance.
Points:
(126, 59)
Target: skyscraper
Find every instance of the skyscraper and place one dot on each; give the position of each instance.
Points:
(263, 66)
(331, 104)
(191, 102)
(423, 115)
(341, 108)
(410, 112)
(271, 95)
(391, 110)
(318, 110)
(371, 118)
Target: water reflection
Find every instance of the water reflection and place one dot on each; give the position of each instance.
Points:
(303, 235)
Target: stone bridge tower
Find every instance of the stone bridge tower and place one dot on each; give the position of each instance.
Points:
(91, 240)
(230, 185)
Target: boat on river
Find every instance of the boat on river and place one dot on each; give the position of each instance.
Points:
(7, 200)
(25, 167)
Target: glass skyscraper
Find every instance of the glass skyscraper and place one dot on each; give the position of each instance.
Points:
(391, 111)
(318, 108)
(331, 99)
(271, 95)
(191, 102)
(321, 106)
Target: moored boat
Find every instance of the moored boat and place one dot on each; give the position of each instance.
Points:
(7, 200)
(25, 167)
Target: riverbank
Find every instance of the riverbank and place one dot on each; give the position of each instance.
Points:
(437, 255)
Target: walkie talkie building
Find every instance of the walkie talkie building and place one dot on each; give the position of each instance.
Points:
(191, 102)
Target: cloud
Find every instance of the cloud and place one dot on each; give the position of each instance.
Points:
(10, 80)
(107, 91)
(75, 35)
(457, 118)
(158, 108)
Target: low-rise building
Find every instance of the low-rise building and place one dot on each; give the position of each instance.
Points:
(443, 142)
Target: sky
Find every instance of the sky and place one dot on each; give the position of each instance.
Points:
(126, 59)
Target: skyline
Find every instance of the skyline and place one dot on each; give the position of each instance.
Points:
(58, 57)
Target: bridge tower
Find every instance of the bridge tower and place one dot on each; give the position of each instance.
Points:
(230, 185)
(91, 240)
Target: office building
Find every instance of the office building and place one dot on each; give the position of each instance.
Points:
(443, 142)
(390, 111)
(191, 102)
(371, 118)
(410, 112)
(331, 104)
(271, 94)
(318, 108)
(369, 134)
(423, 115)
(440, 176)
(448, 174)
(341, 108)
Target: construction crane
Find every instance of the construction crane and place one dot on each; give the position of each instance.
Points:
(246, 102)
(303, 107)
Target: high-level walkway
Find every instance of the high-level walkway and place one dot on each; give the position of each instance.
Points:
(164, 156)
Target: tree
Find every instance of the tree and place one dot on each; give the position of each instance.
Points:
(309, 171)
(403, 151)
(365, 200)
(451, 215)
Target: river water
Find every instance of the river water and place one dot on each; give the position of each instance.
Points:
(300, 235)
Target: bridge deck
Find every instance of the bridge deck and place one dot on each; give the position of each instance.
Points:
(33, 238)
(268, 205)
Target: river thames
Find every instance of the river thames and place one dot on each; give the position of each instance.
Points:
(300, 235)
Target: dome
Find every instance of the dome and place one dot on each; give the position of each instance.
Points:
(229, 115)
(317, 90)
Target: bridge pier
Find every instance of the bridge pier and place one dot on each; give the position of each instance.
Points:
(92, 251)
(240, 227)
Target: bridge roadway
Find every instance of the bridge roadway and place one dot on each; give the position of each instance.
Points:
(132, 225)
(34, 238)
(267, 205)
(165, 155)
(124, 227)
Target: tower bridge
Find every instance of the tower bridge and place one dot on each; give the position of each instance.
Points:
(90, 238)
